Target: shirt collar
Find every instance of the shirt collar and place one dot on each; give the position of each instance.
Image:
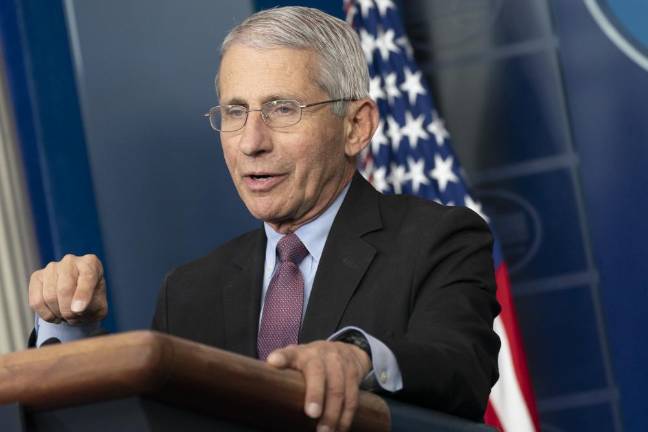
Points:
(312, 234)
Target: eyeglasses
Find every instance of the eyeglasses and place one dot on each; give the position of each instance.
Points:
(276, 114)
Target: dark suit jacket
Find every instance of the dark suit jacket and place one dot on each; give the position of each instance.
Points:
(414, 274)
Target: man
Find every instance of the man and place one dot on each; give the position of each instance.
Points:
(343, 284)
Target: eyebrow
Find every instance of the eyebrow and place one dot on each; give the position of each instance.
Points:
(269, 98)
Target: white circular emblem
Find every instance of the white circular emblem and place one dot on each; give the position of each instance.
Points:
(617, 32)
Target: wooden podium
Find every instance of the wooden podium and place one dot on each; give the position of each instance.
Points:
(147, 381)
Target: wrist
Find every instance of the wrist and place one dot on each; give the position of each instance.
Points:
(364, 359)
(357, 340)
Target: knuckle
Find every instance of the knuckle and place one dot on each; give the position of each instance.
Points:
(35, 302)
(65, 287)
(50, 296)
(314, 365)
(88, 271)
(68, 258)
(86, 275)
(352, 401)
(336, 392)
(47, 316)
(334, 360)
(94, 262)
(65, 292)
(35, 277)
(334, 355)
(68, 316)
(90, 257)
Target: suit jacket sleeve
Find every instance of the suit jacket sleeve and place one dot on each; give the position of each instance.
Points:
(448, 354)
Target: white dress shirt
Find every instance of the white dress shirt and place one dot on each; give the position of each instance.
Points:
(313, 235)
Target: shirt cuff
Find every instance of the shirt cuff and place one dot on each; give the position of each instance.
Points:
(385, 373)
(62, 332)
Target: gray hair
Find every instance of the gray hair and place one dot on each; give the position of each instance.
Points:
(342, 71)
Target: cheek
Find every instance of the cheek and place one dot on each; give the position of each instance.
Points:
(319, 167)
(230, 156)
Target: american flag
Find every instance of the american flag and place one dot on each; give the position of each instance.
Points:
(411, 153)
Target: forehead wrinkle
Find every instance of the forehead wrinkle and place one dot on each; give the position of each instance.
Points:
(283, 72)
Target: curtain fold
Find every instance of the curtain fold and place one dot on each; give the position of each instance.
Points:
(18, 249)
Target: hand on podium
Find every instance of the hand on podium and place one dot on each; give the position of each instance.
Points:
(71, 290)
(333, 372)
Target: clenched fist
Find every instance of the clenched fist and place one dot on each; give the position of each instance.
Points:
(71, 290)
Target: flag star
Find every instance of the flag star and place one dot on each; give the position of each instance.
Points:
(412, 85)
(391, 88)
(417, 173)
(394, 132)
(365, 6)
(375, 90)
(378, 180)
(437, 128)
(368, 43)
(413, 129)
(385, 43)
(475, 206)
(397, 177)
(383, 5)
(379, 138)
(406, 45)
(442, 172)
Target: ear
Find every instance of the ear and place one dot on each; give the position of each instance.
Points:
(361, 123)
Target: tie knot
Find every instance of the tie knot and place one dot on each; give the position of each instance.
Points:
(290, 248)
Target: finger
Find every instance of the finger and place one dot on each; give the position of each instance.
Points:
(90, 274)
(66, 285)
(314, 373)
(335, 390)
(50, 278)
(350, 401)
(36, 300)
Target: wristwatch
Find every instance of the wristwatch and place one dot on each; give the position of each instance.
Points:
(354, 337)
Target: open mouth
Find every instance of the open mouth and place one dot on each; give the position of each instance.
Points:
(263, 182)
(260, 176)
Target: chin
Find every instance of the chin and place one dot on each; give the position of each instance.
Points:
(261, 213)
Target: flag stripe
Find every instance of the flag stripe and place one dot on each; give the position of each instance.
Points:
(491, 417)
(506, 396)
(514, 340)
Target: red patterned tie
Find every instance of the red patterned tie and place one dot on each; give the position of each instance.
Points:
(282, 310)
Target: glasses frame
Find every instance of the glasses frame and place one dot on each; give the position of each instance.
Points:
(266, 117)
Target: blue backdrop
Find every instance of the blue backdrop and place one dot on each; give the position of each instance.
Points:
(545, 101)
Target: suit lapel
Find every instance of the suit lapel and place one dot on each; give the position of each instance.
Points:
(345, 259)
(242, 297)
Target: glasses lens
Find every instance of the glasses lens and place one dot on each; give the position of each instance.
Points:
(281, 113)
(228, 118)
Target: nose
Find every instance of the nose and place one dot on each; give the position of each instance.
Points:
(255, 139)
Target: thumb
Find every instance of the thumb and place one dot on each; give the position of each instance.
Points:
(277, 359)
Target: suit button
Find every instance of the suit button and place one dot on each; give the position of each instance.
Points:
(383, 377)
